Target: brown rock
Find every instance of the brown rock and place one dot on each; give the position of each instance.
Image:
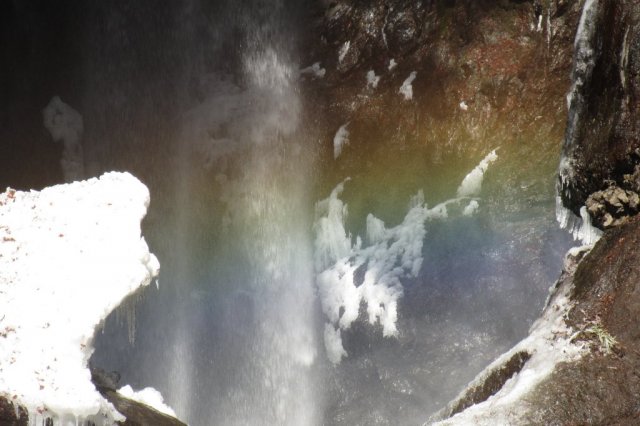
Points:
(12, 416)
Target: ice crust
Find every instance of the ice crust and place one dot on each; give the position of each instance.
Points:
(69, 255)
(344, 49)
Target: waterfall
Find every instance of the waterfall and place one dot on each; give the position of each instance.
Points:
(264, 201)
(586, 52)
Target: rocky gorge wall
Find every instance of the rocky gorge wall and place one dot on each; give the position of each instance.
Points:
(598, 171)
(482, 74)
(601, 148)
(494, 73)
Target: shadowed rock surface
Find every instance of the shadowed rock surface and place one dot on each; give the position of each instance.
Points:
(10, 416)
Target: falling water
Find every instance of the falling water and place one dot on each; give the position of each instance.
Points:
(264, 205)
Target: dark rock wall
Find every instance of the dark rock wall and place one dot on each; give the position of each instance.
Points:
(10, 416)
(603, 131)
(489, 74)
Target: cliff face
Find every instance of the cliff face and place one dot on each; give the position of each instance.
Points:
(481, 74)
(599, 169)
(601, 148)
(595, 380)
(602, 387)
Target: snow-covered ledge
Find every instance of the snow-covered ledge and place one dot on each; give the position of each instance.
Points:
(68, 256)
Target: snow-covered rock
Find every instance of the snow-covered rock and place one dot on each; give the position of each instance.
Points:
(69, 255)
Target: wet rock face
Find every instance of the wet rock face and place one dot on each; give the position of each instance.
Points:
(601, 388)
(602, 140)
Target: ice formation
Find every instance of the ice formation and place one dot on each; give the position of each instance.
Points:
(340, 139)
(392, 64)
(406, 89)
(69, 255)
(472, 183)
(372, 79)
(65, 125)
(147, 396)
(350, 273)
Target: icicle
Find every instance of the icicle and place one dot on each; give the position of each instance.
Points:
(579, 227)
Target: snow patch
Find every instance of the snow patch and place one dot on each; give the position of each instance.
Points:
(148, 396)
(406, 89)
(333, 344)
(69, 255)
(392, 64)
